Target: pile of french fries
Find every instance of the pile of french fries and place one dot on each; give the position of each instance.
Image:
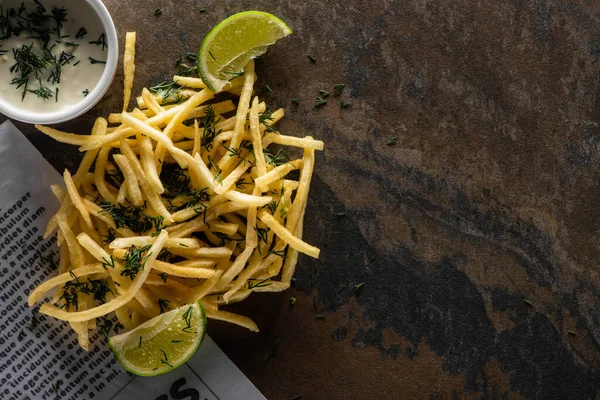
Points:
(237, 230)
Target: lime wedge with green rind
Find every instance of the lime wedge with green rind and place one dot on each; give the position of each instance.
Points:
(227, 49)
(163, 343)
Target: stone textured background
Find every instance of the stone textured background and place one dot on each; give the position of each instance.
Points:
(489, 197)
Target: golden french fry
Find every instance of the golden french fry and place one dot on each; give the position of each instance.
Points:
(277, 173)
(63, 137)
(287, 236)
(134, 194)
(184, 272)
(151, 103)
(141, 241)
(195, 83)
(128, 67)
(257, 145)
(242, 111)
(232, 318)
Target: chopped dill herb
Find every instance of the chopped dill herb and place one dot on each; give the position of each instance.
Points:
(265, 90)
(392, 141)
(241, 184)
(274, 349)
(42, 92)
(94, 61)
(163, 305)
(65, 58)
(131, 217)
(280, 253)
(232, 151)
(234, 74)
(99, 289)
(108, 263)
(292, 300)
(110, 236)
(358, 288)
(157, 11)
(134, 261)
(338, 89)
(277, 159)
(262, 234)
(85, 92)
(296, 101)
(324, 93)
(264, 118)
(186, 70)
(165, 360)
(212, 165)
(209, 122)
(81, 33)
(343, 104)
(101, 41)
(187, 318)
(311, 59)
(169, 92)
(320, 102)
(258, 284)
(272, 206)
(163, 276)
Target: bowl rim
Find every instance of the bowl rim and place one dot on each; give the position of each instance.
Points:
(95, 95)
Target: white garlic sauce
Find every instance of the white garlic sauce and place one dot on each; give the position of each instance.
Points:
(78, 77)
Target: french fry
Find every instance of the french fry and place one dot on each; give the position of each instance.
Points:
(150, 194)
(257, 146)
(151, 103)
(63, 137)
(129, 68)
(277, 173)
(149, 164)
(232, 318)
(99, 173)
(287, 236)
(195, 83)
(134, 194)
(141, 241)
(304, 143)
(242, 111)
(184, 272)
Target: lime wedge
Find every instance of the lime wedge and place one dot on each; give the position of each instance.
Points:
(163, 343)
(227, 49)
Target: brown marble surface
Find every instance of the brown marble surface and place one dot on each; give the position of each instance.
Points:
(490, 195)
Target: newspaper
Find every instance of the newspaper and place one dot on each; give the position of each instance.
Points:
(40, 358)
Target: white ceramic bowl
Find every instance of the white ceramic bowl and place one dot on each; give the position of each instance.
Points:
(95, 95)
